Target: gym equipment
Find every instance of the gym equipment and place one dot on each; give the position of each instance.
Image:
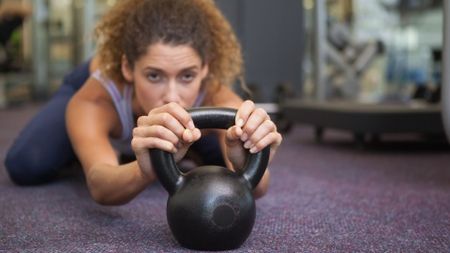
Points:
(350, 60)
(8, 57)
(365, 119)
(446, 76)
(362, 118)
(210, 207)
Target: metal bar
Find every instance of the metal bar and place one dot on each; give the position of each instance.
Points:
(40, 49)
(89, 9)
(445, 95)
(319, 55)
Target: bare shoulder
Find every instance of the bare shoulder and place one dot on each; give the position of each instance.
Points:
(223, 97)
(93, 104)
(92, 92)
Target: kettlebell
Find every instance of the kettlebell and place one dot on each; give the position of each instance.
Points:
(210, 207)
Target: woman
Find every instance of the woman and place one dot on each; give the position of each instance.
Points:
(156, 58)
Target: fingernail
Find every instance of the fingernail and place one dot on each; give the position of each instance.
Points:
(248, 144)
(240, 122)
(174, 148)
(191, 125)
(238, 132)
(244, 137)
(253, 150)
(196, 130)
(188, 134)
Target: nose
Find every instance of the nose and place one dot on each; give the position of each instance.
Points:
(171, 93)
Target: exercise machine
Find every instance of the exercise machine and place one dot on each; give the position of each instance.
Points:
(368, 119)
(349, 59)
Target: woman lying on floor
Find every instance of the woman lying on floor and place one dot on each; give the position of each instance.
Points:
(156, 58)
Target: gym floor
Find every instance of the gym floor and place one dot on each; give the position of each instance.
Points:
(324, 197)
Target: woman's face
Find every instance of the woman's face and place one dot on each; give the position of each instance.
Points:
(166, 74)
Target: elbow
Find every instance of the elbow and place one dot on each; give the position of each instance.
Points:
(97, 195)
(102, 196)
(105, 199)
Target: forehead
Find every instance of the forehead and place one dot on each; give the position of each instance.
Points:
(169, 55)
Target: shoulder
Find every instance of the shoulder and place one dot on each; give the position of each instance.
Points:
(92, 91)
(222, 97)
(92, 105)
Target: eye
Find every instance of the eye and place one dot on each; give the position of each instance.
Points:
(188, 77)
(154, 77)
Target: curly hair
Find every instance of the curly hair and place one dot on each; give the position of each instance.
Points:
(133, 25)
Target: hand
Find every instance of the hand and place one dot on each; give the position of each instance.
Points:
(254, 130)
(169, 128)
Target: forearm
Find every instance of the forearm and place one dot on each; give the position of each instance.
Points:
(263, 185)
(116, 185)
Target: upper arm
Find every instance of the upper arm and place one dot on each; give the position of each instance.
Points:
(89, 124)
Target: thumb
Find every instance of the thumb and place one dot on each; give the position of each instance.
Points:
(233, 136)
(190, 136)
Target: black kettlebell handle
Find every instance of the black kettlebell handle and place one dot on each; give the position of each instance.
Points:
(171, 176)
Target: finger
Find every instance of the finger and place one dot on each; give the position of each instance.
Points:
(232, 136)
(190, 136)
(140, 144)
(257, 118)
(197, 134)
(273, 139)
(164, 119)
(244, 112)
(178, 112)
(264, 129)
(157, 131)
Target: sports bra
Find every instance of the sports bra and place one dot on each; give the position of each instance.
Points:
(123, 105)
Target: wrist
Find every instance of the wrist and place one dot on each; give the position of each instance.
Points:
(145, 175)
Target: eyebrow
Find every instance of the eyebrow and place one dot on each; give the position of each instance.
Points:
(161, 70)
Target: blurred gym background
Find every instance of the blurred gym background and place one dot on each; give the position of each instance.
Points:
(371, 52)
(401, 41)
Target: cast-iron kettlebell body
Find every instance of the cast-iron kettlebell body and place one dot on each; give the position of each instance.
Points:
(213, 208)
(210, 207)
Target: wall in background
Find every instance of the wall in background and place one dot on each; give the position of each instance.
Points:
(272, 37)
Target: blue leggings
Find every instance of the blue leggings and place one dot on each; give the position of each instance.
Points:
(43, 147)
